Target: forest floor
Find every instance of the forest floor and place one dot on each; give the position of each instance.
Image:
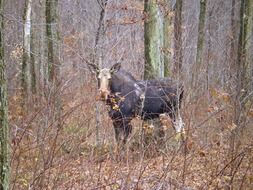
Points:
(216, 154)
(202, 168)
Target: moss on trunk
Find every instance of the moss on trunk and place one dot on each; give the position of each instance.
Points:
(167, 32)
(153, 39)
(4, 129)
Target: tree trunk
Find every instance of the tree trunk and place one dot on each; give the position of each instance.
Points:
(249, 44)
(4, 129)
(209, 47)
(201, 33)
(54, 88)
(233, 35)
(33, 66)
(42, 48)
(242, 64)
(153, 40)
(99, 53)
(52, 39)
(101, 30)
(26, 59)
(178, 57)
(242, 84)
(53, 57)
(167, 34)
(200, 43)
(154, 47)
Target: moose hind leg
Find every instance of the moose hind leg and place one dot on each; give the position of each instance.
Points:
(179, 124)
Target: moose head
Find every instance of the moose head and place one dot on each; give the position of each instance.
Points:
(104, 77)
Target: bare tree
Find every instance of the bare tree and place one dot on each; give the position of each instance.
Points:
(4, 128)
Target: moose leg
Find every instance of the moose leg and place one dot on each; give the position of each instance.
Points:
(122, 130)
(117, 130)
(127, 131)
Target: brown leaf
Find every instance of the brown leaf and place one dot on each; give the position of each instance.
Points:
(232, 126)
(225, 97)
(202, 153)
(250, 113)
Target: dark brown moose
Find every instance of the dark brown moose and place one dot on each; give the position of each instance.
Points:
(129, 98)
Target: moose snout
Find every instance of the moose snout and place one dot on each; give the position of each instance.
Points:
(103, 93)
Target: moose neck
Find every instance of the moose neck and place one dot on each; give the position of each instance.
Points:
(122, 82)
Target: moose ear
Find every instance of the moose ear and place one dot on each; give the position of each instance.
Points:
(115, 68)
(93, 68)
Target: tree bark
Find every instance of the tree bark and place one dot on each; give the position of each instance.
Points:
(242, 64)
(242, 84)
(98, 53)
(33, 65)
(209, 47)
(167, 34)
(178, 55)
(26, 59)
(52, 39)
(154, 45)
(200, 42)
(153, 40)
(201, 33)
(249, 44)
(53, 55)
(42, 48)
(4, 128)
(233, 35)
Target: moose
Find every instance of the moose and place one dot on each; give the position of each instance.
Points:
(128, 98)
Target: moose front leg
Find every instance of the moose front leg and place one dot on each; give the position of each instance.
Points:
(127, 130)
(123, 129)
(117, 130)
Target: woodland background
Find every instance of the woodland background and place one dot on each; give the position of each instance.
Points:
(55, 135)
